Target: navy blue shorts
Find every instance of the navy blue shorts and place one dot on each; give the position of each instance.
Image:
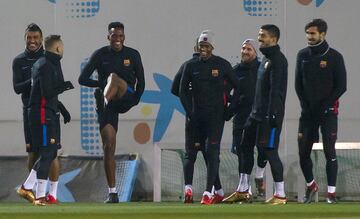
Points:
(44, 135)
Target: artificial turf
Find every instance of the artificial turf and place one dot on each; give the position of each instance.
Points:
(178, 210)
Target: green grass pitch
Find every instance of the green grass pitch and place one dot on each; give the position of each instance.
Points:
(178, 210)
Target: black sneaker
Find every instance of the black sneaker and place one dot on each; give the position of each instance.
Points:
(99, 98)
(310, 193)
(260, 187)
(331, 198)
(112, 198)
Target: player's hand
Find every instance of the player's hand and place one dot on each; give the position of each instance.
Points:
(67, 85)
(65, 113)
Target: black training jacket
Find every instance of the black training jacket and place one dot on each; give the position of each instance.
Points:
(175, 88)
(21, 67)
(271, 85)
(320, 77)
(125, 63)
(247, 75)
(47, 80)
(208, 80)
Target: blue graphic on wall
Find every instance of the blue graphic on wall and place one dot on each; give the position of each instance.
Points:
(268, 8)
(318, 3)
(64, 194)
(80, 8)
(89, 127)
(167, 101)
(265, 8)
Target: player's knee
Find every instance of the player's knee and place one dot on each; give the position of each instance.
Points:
(109, 149)
(330, 154)
(112, 77)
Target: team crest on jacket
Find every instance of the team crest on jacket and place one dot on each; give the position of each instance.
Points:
(126, 62)
(215, 72)
(323, 64)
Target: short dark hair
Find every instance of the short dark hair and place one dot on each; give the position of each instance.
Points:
(33, 28)
(319, 23)
(115, 25)
(51, 40)
(273, 30)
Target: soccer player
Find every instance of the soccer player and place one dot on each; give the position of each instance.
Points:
(192, 144)
(320, 81)
(22, 65)
(119, 86)
(244, 137)
(269, 105)
(205, 104)
(47, 82)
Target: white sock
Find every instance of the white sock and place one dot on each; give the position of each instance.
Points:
(279, 189)
(244, 183)
(31, 180)
(310, 183)
(53, 188)
(212, 190)
(112, 190)
(187, 187)
(220, 192)
(207, 193)
(259, 173)
(41, 188)
(106, 101)
(239, 185)
(331, 189)
(250, 190)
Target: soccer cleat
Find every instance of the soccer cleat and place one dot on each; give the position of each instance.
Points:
(188, 197)
(27, 194)
(260, 187)
(331, 198)
(51, 200)
(276, 200)
(112, 198)
(238, 197)
(206, 200)
(40, 201)
(217, 198)
(310, 193)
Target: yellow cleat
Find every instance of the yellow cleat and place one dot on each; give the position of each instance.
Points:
(26, 194)
(40, 201)
(238, 197)
(275, 200)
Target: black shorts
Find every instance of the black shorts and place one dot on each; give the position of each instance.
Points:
(267, 137)
(110, 115)
(44, 135)
(27, 133)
